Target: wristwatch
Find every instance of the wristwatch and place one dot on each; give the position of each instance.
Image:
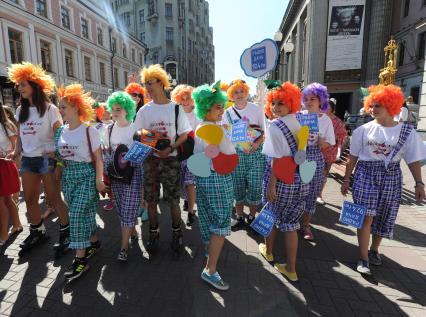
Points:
(419, 184)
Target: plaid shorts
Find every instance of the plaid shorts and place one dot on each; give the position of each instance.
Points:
(247, 177)
(165, 172)
(128, 197)
(289, 205)
(313, 153)
(81, 196)
(379, 190)
(214, 202)
(186, 178)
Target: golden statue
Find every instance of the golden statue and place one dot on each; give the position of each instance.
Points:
(387, 73)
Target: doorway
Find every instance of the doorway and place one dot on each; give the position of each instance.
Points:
(344, 101)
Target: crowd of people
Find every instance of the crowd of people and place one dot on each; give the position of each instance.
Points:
(70, 152)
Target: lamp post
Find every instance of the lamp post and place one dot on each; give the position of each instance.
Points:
(288, 49)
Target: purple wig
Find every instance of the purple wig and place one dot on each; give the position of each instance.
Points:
(319, 91)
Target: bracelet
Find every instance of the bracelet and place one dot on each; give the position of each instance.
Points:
(419, 184)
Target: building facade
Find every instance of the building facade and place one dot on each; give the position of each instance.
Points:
(177, 34)
(74, 42)
(337, 43)
(409, 30)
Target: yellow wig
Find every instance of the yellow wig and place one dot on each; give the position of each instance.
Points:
(30, 72)
(180, 91)
(75, 95)
(234, 85)
(155, 72)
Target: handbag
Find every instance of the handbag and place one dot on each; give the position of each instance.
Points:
(186, 149)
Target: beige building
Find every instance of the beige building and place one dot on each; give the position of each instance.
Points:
(72, 39)
(177, 34)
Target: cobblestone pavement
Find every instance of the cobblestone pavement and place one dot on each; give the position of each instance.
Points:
(328, 286)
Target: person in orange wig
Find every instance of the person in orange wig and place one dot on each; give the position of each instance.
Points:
(138, 94)
(80, 167)
(377, 148)
(38, 119)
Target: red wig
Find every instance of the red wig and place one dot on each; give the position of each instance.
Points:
(75, 95)
(391, 97)
(288, 94)
(180, 91)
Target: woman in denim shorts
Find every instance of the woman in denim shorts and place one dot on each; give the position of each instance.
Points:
(38, 120)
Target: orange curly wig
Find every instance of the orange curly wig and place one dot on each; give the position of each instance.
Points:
(180, 91)
(224, 86)
(290, 96)
(391, 97)
(75, 95)
(30, 72)
(135, 87)
(234, 85)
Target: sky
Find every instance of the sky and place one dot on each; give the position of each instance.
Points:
(237, 25)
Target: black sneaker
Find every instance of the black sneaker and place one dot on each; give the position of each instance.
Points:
(250, 219)
(122, 256)
(93, 249)
(185, 205)
(176, 239)
(154, 237)
(191, 219)
(35, 237)
(78, 267)
(238, 223)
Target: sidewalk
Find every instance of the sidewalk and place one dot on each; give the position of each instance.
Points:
(328, 286)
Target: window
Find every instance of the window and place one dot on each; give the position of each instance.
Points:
(65, 18)
(125, 18)
(133, 55)
(169, 34)
(141, 16)
(16, 46)
(152, 7)
(169, 10)
(87, 70)
(415, 93)
(140, 59)
(190, 46)
(124, 50)
(126, 77)
(114, 45)
(41, 8)
(424, 2)
(406, 7)
(115, 78)
(422, 43)
(401, 54)
(183, 42)
(142, 36)
(155, 58)
(102, 73)
(69, 63)
(84, 28)
(100, 37)
(46, 56)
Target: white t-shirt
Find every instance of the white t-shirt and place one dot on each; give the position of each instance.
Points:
(122, 135)
(252, 112)
(161, 118)
(276, 144)
(326, 130)
(374, 142)
(5, 144)
(37, 132)
(193, 120)
(73, 144)
(103, 133)
(225, 146)
(403, 115)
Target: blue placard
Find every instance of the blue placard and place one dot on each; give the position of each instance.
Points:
(138, 152)
(309, 119)
(258, 58)
(239, 131)
(264, 222)
(352, 214)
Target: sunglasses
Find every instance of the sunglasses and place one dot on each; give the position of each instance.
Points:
(133, 94)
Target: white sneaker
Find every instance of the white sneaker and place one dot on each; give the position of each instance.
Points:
(320, 201)
(363, 267)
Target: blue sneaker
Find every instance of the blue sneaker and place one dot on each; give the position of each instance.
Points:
(215, 280)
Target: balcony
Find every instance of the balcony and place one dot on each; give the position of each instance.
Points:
(153, 18)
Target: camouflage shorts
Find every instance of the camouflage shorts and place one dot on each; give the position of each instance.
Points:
(165, 172)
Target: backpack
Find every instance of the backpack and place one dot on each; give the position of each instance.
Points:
(186, 149)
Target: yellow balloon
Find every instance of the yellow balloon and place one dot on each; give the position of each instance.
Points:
(302, 136)
(210, 133)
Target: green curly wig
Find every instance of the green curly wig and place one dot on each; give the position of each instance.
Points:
(125, 101)
(205, 97)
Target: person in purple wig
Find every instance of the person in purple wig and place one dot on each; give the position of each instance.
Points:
(315, 99)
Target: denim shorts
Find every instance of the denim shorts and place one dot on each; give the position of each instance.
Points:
(37, 165)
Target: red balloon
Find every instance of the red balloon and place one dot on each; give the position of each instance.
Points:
(284, 169)
(225, 164)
